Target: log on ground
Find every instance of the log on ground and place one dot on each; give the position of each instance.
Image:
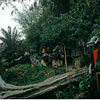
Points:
(31, 91)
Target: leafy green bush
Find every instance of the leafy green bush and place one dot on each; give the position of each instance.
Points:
(5, 63)
(26, 74)
(21, 74)
(73, 90)
(3, 66)
(67, 92)
(83, 85)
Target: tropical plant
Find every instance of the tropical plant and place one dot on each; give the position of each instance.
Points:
(23, 74)
(10, 38)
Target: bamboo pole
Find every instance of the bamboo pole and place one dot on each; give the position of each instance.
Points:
(66, 65)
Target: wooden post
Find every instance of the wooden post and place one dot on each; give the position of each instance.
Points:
(66, 65)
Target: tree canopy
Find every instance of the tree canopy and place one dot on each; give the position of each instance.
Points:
(60, 22)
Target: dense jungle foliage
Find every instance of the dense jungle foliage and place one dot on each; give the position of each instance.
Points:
(26, 74)
(69, 23)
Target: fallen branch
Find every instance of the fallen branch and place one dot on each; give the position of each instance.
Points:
(31, 91)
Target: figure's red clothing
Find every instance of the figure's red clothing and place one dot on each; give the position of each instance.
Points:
(95, 55)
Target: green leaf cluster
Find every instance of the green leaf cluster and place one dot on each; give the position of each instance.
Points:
(72, 26)
(25, 74)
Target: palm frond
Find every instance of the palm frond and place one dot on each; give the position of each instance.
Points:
(10, 37)
(3, 39)
(4, 33)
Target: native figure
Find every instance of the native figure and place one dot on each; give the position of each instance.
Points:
(58, 57)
